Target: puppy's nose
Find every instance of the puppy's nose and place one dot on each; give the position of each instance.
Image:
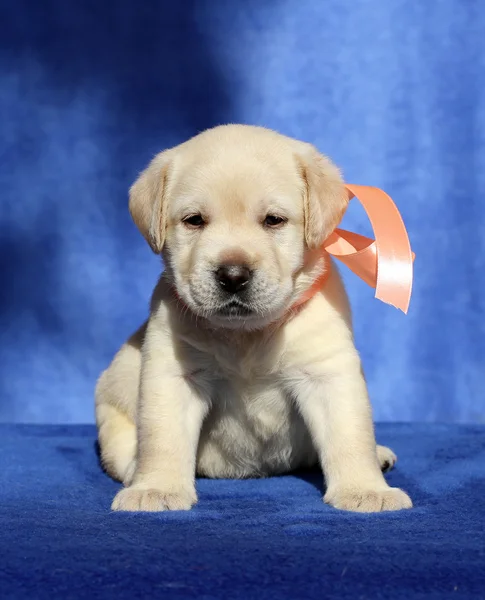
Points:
(233, 278)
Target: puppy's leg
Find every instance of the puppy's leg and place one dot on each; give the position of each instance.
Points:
(117, 441)
(116, 399)
(335, 406)
(170, 415)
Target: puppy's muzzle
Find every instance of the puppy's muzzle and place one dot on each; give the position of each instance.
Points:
(233, 279)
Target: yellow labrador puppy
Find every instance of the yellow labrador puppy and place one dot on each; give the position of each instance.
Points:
(233, 375)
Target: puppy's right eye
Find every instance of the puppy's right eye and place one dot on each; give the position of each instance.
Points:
(194, 221)
(274, 221)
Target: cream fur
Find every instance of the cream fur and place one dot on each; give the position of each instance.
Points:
(197, 392)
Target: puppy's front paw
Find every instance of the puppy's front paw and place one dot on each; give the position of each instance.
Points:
(362, 500)
(133, 500)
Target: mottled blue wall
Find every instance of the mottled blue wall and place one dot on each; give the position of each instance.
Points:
(89, 91)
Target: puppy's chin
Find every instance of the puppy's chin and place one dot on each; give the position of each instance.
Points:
(250, 322)
(237, 316)
(235, 310)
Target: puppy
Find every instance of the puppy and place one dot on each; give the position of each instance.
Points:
(246, 366)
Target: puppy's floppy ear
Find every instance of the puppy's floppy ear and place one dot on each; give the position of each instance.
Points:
(325, 197)
(148, 202)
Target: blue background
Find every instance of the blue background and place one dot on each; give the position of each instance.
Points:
(89, 91)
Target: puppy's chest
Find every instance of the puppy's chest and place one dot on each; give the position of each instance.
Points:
(212, 362)
(253, 426)
(261, 404)
(251, 388)
(246, 386)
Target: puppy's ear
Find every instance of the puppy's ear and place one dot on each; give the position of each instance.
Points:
(148, 203)
(325, 197)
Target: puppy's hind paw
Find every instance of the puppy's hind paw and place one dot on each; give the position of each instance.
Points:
(386, 457)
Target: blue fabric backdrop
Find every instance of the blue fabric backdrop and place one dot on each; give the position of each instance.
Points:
(89, 91)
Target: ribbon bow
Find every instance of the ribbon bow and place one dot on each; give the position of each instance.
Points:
(385, 263)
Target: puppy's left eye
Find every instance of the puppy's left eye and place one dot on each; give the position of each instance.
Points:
(274, 221)
(194, 221)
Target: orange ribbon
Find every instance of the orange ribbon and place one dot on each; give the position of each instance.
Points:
(385, 263)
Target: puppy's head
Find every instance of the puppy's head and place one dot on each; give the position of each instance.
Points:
(239, 214)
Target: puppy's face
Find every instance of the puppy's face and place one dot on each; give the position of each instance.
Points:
(241, 213)
(235, 238)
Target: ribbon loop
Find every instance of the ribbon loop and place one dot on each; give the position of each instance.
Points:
(385, 263)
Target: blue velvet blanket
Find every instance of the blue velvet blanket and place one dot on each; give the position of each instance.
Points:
(254, 539)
